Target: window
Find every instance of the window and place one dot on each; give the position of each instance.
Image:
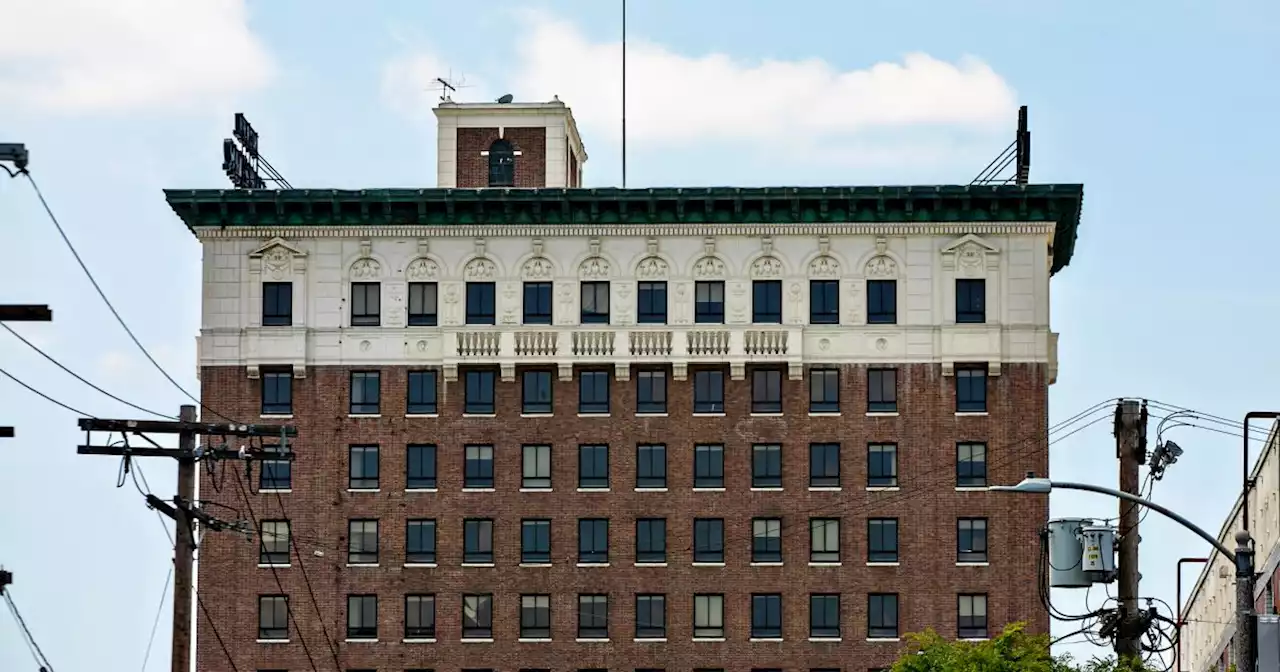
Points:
(972, 617)
(477, 616)
(766, 391)
(273, 617)
(824, 540)
(593, 616)
(362, 542)
(882, 616)
(593, 467)
(971, 540)
(766, 302)
(535, 392)
(824, 390)
(420, 472)
(478, 392)
(422, 393)
(824, 616)
(478, 467)
(708, 302)
(275, 474)
(882, 390)
(882, 302)
(971, 465)
(366, 304)
(595, 303)
(481, 302)
(535, 541)
(651, 300)
(971, 389)
(824, 302)
(478, 541)
(537, 303)
(535, 616)
(366, 393)
(971, 301)
(502, 164)
(708, 465)
(766, 540)
(766, 465)
(651, 391)
(708, 540)
(277, 392)
(362, 617)
(882, 540)
(651, 465)
(537, 467)
(651, 616)
(593, 392)
(882, 465)
(651, 540)
(824, 465)
(363, 468)
(420, 542)
(277, 304)
(766, 616)
(419, 616)
(274, 537)
(593, 541)
(708, 391)
(708, 616)
(422, 304)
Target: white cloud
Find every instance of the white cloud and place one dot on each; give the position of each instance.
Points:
(76, 56)
(409, 83)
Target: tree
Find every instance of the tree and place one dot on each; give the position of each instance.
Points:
(1014, 650)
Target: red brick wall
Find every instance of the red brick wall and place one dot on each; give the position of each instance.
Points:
(531, 164)
(927, 506)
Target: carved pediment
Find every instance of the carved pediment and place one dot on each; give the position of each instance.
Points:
(970, 255)
(277, 258)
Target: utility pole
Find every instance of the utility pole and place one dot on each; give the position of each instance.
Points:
(1131, 449)
(22, 313)
(184, 510)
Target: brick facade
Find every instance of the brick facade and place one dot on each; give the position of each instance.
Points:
(531, 164)
(927, 505)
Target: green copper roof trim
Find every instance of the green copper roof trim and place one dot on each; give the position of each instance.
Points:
(1058, 203)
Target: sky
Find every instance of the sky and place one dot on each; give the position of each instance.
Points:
(1161, 109)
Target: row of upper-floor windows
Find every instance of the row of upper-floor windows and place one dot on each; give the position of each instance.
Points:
(422, 393)
(651, 466)
(827, 616)
(651, 544)
(652, 305)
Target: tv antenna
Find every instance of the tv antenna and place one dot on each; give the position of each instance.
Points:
(449, 86)
(1017, 154)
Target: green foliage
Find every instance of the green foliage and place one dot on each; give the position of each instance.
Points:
(1014, 650)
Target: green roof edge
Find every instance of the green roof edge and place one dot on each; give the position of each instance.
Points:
(1059, 203)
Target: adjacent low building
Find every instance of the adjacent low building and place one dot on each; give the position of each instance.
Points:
(550, 428)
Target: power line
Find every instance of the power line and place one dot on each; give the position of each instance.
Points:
(159, 611)
(36, 652)
(44, 396)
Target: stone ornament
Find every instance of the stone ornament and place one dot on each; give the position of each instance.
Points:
(882, 266)
(708, 268)
(594, 268)
(278, 259)
(367, 268)
(479, 269)
(537, 268)
(652, 268)
(824, 266)
(766, 267)
(421, 270)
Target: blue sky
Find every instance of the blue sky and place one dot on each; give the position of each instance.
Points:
(1164, 110)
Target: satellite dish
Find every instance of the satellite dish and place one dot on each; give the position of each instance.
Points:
(506, 99)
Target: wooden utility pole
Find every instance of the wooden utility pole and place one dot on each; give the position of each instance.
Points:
(184, 509)
(1131, 448)
(22, 313)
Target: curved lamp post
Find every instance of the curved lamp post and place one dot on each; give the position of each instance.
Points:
(1242, 558)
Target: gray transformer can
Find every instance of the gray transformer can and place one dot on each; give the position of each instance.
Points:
(1066, 567)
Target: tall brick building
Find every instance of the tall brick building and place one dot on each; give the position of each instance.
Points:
(553, 428)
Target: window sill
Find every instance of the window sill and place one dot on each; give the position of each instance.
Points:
(428, 565)
(531, 640)
(593, 489)
(536, 490)
(708, 489)
(480, 415)
(884, 639)
(765, 639)
(882, 414)
(884, 564)
(362, 564)
(364, 415)
(431, 640)
(592, 640)
(824, 488)
(769, 489)
(280, 491)
(421, 490)
(478, 564)
(826, 639)
(593, 564)
(708, 564)
(972, 488)
(273, 641)
(708, 415)
(883, 488)
(357, 640)
(826, 564)
(974, 639)
(767, 415)
(481, 640)
(651, 564)
(273, 566)
(537, 415)
(651, 489)
(652, 415)
(973, 564)
(535, 564)
(364, 489)
(824, 414)
(708, 639)
(594, 415)
(276, 416)
(421, 415)
(479, 490)
(766, 564)
(975, 414)
(650, 640)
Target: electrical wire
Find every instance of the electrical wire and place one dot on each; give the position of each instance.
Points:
(36, 652)
(156, 624)
(42, 395)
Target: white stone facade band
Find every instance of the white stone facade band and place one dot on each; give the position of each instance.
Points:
(925, 261)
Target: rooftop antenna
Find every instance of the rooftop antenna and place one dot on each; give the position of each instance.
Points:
(1017, 155)
(624, 94)
(449, 86)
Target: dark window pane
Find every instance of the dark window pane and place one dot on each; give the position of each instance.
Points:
(708, 302)
(824, 465)
(882, 465)
(766, 301)
(274, 474)
(882, 540)
(535, 541)
(824, 540)
(537, 303)
(651, 466)
(362, 542)
(971, 540)
(535, 392)
(502, 164)
(651, 299)
(882, 302)
(478, 466)
(651, 391)
(971, 465)
(766, 540)
(971, 389)
(481, 302)
(595, 303)
(421, 469)
(420, 542)
(363, 468)
(478, 392)
(366, 393)
(366, 304)
(273, 617)
(477, 616)
(824, 302)
(651, 616)
(708, 540)
(277, 393)
(882, 616)
(274, 539)
(824, 616)
(972, 617)
(593, 540)
(651, 540)
(708, 391)
(971, 301)
(277, 304)
(593, 617)
(422, 393)
(766, 465)
(708, 466)
(535, 617)
(593, 466)
(766, 616)
(882, 390)
(593, 392)
(766, 391)
(824, 390)
(477, 541)
(419, 616)
(423, 304)
(536, 467)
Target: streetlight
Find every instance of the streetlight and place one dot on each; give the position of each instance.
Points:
(1242, 558)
